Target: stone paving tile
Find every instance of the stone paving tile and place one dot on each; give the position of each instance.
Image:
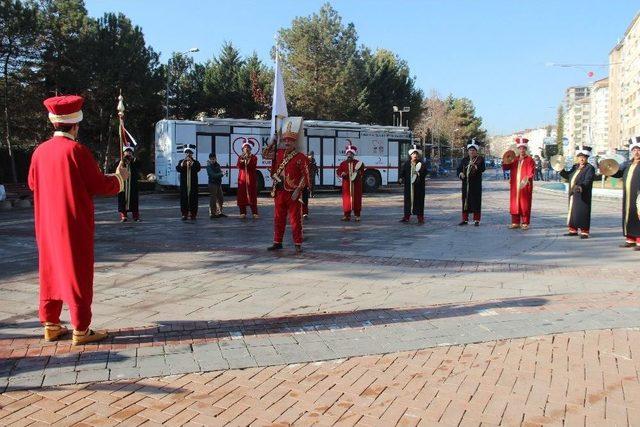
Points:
(518, 382)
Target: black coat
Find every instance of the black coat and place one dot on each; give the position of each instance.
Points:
(471, 183)
(418, 188)
(630, 175)
(189, 186)
(128, 199)
(580, 189)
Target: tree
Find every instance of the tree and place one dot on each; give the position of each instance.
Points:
(322, 66)
(560, 130)
(387, 83)
(18, 31)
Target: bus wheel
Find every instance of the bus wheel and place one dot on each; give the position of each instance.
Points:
(260, 182)
(372, 180)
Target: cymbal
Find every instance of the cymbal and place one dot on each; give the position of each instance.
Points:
(508, 157)
(557, 162)
(608, 167)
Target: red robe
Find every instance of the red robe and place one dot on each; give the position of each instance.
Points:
(247, 184)
(351, 202)
(520, 200)
(294, 175)
(64, 178)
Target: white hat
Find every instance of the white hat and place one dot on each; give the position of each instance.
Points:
(127, 147)
(584, 151)
(248, 142)
(521, 141)
(189, 147)
(634, 143)
(414, 149)
(351, 149)
(473, 144)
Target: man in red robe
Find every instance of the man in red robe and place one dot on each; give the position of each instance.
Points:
(522, 170)
(64, 177)
(351, 171)
(290, 174)
(247, 181)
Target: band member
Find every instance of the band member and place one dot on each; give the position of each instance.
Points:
(630, 174)
(247, 181)
(128, 199)
(412, 175)
(470, 172)
(521, 171)
(188, 169)
(64, 178)
(216, 198)
(580, 178)
(290, 174)
(351, 172)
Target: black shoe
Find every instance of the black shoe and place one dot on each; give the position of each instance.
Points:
(184, 218)
(137, 220)
(275, 247)
(476, 223)
(222, 215)
(404, 220)
(125, 219)
(627, 245)
(298, 249)
(584, 236)
(570, 234)
(463, 223)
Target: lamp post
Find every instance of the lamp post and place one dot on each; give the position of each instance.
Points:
(192, 50)
(396, 109)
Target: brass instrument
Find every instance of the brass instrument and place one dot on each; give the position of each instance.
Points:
(557, 162)
(608, 167)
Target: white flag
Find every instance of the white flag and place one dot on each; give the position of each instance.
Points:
(279, 106)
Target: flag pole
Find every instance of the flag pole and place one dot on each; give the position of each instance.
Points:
(120, 109)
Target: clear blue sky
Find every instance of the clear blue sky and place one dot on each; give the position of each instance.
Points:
(492, 51)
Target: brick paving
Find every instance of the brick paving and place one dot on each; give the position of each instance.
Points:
(376, 323)
(579, 378)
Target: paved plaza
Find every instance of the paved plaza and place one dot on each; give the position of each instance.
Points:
(376, 323)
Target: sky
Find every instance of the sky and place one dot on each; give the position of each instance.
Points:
(495, 52)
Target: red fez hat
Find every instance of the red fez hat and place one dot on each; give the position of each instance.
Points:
(64, 109)
(521, 141)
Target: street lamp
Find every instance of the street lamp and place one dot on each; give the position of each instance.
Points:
(398, 110)
(192, 50)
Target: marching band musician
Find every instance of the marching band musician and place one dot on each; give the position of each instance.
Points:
(580, 177)
(522, 170)
(630, 174)
(413, 174)
(470, 172)
(351, 171)
(188, 169)
(290, 174)
(128, 199)
(64, 178)
(247, 181)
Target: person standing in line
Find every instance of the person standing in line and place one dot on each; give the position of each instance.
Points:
(216, 197)
(65, 177)
(630, 174)
(188, 169)
(247, 181)
(470, 172)
(521, 170)
(580, 177)
(351, 172)
(128, 200)
(413, 174)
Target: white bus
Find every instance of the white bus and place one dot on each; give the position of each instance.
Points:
(381, 148)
